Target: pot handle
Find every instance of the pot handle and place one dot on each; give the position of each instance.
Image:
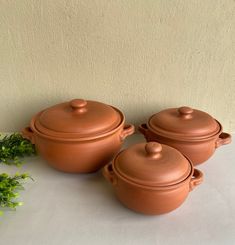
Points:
(224, 139)
(128, 129)
(27, 133)
(109, 174)
(143, 128)
(196, 179)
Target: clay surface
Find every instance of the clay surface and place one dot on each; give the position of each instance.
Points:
(71, 149)
(194, 133)
(152, 199)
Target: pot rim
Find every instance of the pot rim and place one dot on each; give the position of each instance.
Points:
(152, 187)
(75, 139)
(179, 137)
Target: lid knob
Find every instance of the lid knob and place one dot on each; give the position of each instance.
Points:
(185, 112)
(78, 105)
(153, 150)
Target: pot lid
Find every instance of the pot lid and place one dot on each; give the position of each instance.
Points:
(80, 118)
(183, 122)
(152, 164)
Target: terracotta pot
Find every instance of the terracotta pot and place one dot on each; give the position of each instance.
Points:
(194, 133)
(152, 178)
(78, 136)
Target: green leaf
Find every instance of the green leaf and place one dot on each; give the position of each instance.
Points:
(13, 148)
(9, 187)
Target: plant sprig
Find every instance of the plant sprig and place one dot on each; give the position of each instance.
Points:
(13, 148)
(9, 187)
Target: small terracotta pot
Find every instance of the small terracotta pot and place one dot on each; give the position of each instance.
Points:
(151, 178)
(194, 133)
(78, 136)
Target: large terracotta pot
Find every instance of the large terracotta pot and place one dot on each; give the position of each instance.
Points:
(152, 178)
(78, 136)
(194, 133)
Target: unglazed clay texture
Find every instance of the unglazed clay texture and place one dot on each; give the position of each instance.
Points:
(76, 154)
(194, 133)
(155, 198)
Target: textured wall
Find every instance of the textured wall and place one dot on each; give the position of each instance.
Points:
(141, 56)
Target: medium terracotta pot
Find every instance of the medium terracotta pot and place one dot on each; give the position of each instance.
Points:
(78, 136)
(152, 178)
(194, 133)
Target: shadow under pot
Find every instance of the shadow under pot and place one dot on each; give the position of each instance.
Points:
(151, 178)
(78, 136)
(193, 132)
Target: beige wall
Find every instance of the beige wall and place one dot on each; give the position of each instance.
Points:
(141, 56)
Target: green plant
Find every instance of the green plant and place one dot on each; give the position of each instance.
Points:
(9, 187)
(13, 147)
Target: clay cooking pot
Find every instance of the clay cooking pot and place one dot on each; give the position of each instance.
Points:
(194, 133)
(78, 136)
(152, 178)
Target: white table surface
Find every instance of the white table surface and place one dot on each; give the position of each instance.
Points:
(71, 209)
